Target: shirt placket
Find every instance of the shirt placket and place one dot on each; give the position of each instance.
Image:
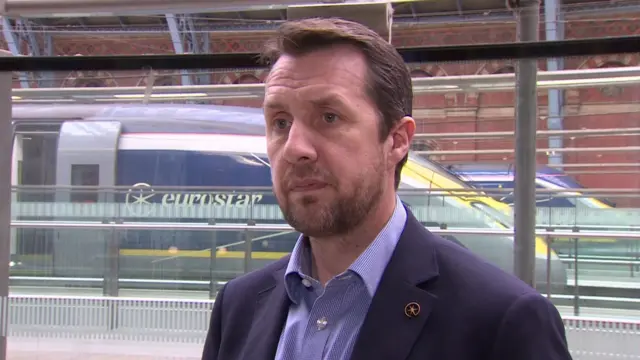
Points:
(322, 320)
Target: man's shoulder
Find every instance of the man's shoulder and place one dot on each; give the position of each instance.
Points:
(256, 281)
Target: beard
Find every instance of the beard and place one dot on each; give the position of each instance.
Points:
(317, 216)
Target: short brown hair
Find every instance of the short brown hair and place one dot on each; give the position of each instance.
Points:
(390, 85)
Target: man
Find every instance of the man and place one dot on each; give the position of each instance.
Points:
(365, 281)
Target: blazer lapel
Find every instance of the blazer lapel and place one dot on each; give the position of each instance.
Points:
(271, 312)
(413, 263)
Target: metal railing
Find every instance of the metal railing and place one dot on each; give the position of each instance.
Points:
(439, 211)
(111, 225)
(185, 322)
(564, 79)
(628, 266)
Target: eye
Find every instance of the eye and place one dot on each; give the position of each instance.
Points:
(330, 117)
(281, 123)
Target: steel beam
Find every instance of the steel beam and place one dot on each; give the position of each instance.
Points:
(459, 7)
(21, 33)
(528, 14)
(6, 149)
(78, 8)
(25, 32)
(376, 16)
(554, 29)
(399, 20)
(187, 40)
(13, 43)
(197, 42)
(178, 47)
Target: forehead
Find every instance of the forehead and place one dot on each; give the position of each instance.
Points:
(340, 70)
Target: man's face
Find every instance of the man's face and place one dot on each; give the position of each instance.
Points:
(329, 167)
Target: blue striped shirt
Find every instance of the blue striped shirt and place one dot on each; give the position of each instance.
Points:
(323, 322)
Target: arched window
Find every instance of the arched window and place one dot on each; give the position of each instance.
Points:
(85, 79)
(165, 81)
(247, 79)
(417, 73)
(90, 83)
(509, 69)
(612, 64)
(611, 90)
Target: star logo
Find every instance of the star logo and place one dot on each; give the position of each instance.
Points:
(412, 310)
(138, 198)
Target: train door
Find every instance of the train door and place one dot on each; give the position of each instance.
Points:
(85, 177)
(33, 169)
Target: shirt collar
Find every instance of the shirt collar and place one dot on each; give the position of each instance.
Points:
(369, 266)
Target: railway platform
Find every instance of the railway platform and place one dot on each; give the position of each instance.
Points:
(167, 325)
(589, 339)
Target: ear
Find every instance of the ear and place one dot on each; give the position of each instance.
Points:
(401, 136)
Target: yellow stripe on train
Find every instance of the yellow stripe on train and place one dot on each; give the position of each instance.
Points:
(422, 174)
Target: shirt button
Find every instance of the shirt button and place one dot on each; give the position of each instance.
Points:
(322, 323)
(306, 282)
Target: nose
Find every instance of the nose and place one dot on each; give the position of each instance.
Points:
(300, 145)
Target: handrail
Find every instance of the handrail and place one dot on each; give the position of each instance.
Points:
(540, 133)
(544, 150)
(622, 76)
(599, 261)
(126, 299)
(282, 227)
(121, 280)
(120, 189)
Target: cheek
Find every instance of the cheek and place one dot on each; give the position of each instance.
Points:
(274, 161)
(277, 172)
(348, 170)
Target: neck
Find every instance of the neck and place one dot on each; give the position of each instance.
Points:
(333, 255)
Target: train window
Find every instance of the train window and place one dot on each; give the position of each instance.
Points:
(35, 163)
(85, 175)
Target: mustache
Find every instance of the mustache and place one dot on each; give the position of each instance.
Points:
(297, 173)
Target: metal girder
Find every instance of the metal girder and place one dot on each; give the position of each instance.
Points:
(6, 149)
(187, 39)
(527, 13)
(554, 29)
(13, 43)
(399, 20)
(77, 8)
(459, 7)
(375, 16)
(20, 34)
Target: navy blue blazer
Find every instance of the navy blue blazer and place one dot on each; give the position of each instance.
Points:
(470, 310)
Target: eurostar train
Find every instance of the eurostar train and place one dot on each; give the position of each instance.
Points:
(584, 212)
(189, 164)
(502, 176)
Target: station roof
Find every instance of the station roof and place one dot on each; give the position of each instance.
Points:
(416, 12)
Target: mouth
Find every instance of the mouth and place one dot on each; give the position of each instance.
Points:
(306, 185)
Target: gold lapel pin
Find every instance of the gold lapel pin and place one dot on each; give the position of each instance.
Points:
(412, 310)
